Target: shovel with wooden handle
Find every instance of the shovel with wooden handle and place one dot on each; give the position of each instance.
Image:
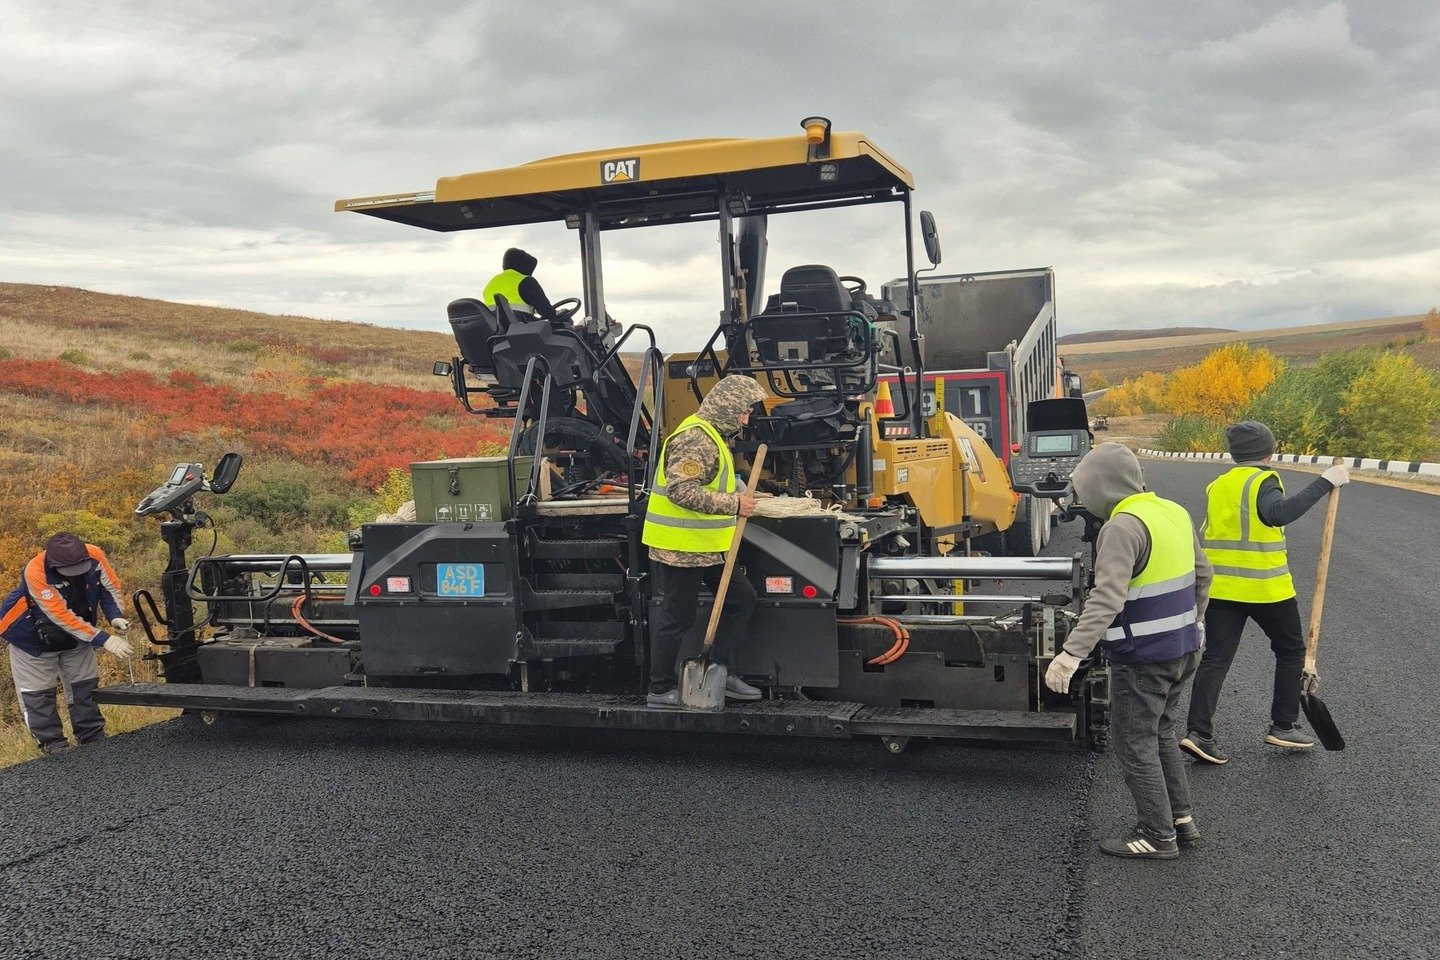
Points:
(702, 683)
(1315, 710)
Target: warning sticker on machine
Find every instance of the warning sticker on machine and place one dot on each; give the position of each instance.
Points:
(460, 579)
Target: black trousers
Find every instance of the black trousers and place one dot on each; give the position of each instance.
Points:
(1224, 622)
(680, 595)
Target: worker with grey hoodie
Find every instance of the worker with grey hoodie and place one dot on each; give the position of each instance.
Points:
(1145, 613)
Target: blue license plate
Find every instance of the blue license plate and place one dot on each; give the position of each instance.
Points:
(460, 579)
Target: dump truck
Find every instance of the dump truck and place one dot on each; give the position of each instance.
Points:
(990, 342)
(522, 592)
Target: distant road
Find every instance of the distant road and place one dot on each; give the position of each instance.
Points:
(1094, 395)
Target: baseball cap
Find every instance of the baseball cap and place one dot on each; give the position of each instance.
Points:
(66, 554)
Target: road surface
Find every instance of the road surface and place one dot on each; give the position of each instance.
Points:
(303, 838)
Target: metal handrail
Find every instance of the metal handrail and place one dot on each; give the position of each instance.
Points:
(518, 427)
(651, 361)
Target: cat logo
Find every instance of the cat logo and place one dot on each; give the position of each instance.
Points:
(620, 171)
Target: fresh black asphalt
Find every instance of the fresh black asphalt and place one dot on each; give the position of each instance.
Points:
(300, 838)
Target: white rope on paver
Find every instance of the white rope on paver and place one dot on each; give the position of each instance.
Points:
(1354, 463)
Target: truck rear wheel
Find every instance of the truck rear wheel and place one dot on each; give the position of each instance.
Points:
(1027, 535)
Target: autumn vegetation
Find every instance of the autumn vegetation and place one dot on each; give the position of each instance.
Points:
(1357, 403)
(100, 396)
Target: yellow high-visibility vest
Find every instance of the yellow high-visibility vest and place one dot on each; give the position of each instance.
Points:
(1158, 619)
(670, 526)
(507, 284)
(1251, 565)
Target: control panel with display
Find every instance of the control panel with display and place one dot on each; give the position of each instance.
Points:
(1057, 435)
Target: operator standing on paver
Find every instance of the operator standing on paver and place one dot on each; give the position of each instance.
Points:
(689, 526)
(1244, 537)
(1145, 611)
(49, 622)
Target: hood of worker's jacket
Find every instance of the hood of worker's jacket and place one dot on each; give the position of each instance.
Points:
(727, 402)
(519, 260)
(1106, 475)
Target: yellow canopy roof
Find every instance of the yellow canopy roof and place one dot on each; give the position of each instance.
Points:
(660, 182)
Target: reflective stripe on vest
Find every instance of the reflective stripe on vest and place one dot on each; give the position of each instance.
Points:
(670, 526)
(507, 284)
(1251, 565)
(1158, 620)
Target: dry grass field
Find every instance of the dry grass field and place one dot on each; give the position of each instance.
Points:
(1117, 360)
(100, 395)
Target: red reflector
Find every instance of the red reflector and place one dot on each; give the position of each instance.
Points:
(374, 589)
(809, 592)
(779, 585)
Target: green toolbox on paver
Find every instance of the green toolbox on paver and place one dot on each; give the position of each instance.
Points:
(469, 488)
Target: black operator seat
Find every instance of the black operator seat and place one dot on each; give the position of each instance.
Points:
(473, 324)
(808, 321)
(814, 288)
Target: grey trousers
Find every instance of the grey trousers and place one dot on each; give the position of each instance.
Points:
(35, 678)
(1145, 704)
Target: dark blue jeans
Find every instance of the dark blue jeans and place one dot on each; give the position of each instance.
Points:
(1145, 700)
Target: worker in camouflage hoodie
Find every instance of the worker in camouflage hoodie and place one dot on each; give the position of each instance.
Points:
(690, 523)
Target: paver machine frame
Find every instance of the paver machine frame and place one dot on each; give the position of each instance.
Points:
(876, 615)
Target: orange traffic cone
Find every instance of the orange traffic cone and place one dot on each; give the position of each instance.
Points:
(883, 405)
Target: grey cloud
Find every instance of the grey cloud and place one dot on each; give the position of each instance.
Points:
(1237, 159)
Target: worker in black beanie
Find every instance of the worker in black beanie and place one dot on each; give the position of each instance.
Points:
(517, 284)
(1244, 538)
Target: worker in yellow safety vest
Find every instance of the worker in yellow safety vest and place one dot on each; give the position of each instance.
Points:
(690, 522)
(517, 284)
(1144, 612)
(1244, 537)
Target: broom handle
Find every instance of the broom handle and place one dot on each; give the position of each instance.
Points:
(756, 465)
(1327, 538)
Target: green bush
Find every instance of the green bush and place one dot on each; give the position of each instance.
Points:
(286, 497)
(1389, 411)
(77, 357)
(1190, 433)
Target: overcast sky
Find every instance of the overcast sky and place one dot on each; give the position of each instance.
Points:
(1234, 162)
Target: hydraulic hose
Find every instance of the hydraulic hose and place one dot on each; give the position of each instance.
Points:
(897, 649)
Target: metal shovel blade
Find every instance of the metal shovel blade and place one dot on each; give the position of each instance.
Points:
(702, 684)
(1326, 731)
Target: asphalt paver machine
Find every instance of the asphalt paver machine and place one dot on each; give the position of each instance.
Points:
(879, 613)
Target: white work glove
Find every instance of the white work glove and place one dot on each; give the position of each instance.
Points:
(1200, 629)
(1062, 668)
(120, 624)
(118, 647)
(1337, 475)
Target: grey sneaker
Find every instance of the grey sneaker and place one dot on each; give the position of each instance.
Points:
(1204, 749)
(1291, 738)
(60, 746)
(669, 700)
(738, 689)
(1186, 831)
(1139, 845)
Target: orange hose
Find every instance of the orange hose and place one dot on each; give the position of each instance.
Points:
(306, 624)
(897, 649)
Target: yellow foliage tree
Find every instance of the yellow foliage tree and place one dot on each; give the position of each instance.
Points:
(1432, 324)
(1390, 410)
(1220, 386)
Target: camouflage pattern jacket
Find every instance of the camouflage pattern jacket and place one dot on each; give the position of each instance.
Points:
(691, 461)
